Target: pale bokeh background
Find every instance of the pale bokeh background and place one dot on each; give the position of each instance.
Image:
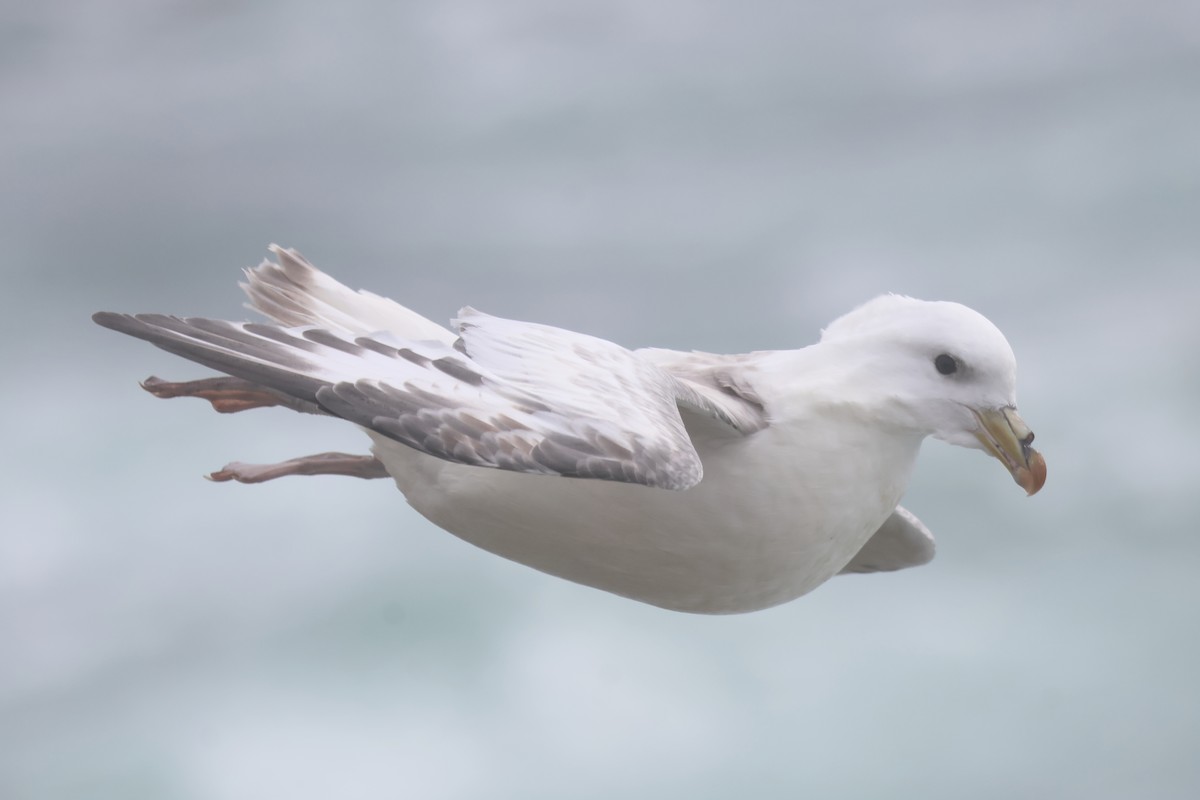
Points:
(715, 175)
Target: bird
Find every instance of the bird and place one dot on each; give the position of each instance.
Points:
(696, 482)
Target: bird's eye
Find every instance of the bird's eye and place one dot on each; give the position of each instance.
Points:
(946, 364)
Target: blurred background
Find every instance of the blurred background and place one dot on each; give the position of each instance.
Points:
(712, 175)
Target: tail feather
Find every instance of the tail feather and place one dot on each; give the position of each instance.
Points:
(294, 293)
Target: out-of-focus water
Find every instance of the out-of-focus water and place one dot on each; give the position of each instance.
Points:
(715, 175)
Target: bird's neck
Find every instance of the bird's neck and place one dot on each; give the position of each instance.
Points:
(842, 385)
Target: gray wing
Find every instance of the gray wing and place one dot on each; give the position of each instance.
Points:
(510, 395)
(902, 541)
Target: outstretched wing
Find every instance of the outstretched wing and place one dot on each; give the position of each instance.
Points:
(510, 395)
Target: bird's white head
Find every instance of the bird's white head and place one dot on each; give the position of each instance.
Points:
(944, 370)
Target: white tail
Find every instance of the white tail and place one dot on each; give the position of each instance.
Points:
(293, 292)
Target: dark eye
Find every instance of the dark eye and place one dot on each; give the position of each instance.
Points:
(946, 364)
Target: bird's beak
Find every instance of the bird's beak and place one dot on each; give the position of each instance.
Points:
(1006, 436)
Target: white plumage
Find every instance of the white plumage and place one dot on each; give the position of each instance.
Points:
(696, 482)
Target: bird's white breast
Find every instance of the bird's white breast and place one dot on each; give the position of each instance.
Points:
(777, 514)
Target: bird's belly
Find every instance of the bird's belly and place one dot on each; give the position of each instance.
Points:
(751, 535)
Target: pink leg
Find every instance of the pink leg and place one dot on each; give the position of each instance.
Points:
(227, 395)
(319, 464)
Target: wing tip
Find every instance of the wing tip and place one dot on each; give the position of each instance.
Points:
(116, 321)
